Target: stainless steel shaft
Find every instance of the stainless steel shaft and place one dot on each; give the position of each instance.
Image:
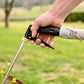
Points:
(13, 62)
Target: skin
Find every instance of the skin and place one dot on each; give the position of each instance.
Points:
(54, 17)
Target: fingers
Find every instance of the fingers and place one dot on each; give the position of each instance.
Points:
(37, 23)
(45, 39)
(34, 28)
(32, 42)
(50, 42)
(38, 41)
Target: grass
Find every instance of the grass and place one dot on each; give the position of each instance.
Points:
(25, 14)
(21, 13)
(36, 65)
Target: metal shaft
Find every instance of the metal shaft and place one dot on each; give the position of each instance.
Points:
(13, 62)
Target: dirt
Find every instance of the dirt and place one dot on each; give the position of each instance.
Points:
(49, 76)
(81, 80)
(18, 67)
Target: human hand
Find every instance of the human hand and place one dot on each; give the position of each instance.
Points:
(45, 20)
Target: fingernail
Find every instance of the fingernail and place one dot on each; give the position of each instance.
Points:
(42, 45)
(32, 42)
(47, 47)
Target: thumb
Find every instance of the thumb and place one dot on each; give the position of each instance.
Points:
(34, 28)
(34, 33)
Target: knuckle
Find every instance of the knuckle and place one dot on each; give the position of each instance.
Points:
(36, 21)
(32, 28)
(38, 42)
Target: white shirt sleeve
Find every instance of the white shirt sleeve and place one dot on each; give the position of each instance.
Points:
(71, 33)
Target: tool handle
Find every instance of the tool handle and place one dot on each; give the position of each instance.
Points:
(50, 30)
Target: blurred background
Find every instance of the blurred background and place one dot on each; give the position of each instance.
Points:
(35, 65)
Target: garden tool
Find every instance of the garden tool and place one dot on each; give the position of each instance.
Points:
(64, 32)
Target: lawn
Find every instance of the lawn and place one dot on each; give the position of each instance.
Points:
(21, 13)
(36, 65)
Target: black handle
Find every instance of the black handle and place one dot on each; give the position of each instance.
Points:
(50, 30)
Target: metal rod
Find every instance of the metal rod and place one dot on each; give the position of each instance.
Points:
(13, 62)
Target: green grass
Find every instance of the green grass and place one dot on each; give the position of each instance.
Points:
(36, 65)
(21, 13)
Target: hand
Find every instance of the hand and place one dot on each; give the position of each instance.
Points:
(45, 20)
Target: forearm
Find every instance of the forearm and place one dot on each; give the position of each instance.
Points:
(62, 8)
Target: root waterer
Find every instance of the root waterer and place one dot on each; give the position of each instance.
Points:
(64, 32)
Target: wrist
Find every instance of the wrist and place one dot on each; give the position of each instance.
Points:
(57, 14)
(61, 9)
(57, 10)
(57, 21)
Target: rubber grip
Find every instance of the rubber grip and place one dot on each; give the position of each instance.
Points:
(50, 30)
